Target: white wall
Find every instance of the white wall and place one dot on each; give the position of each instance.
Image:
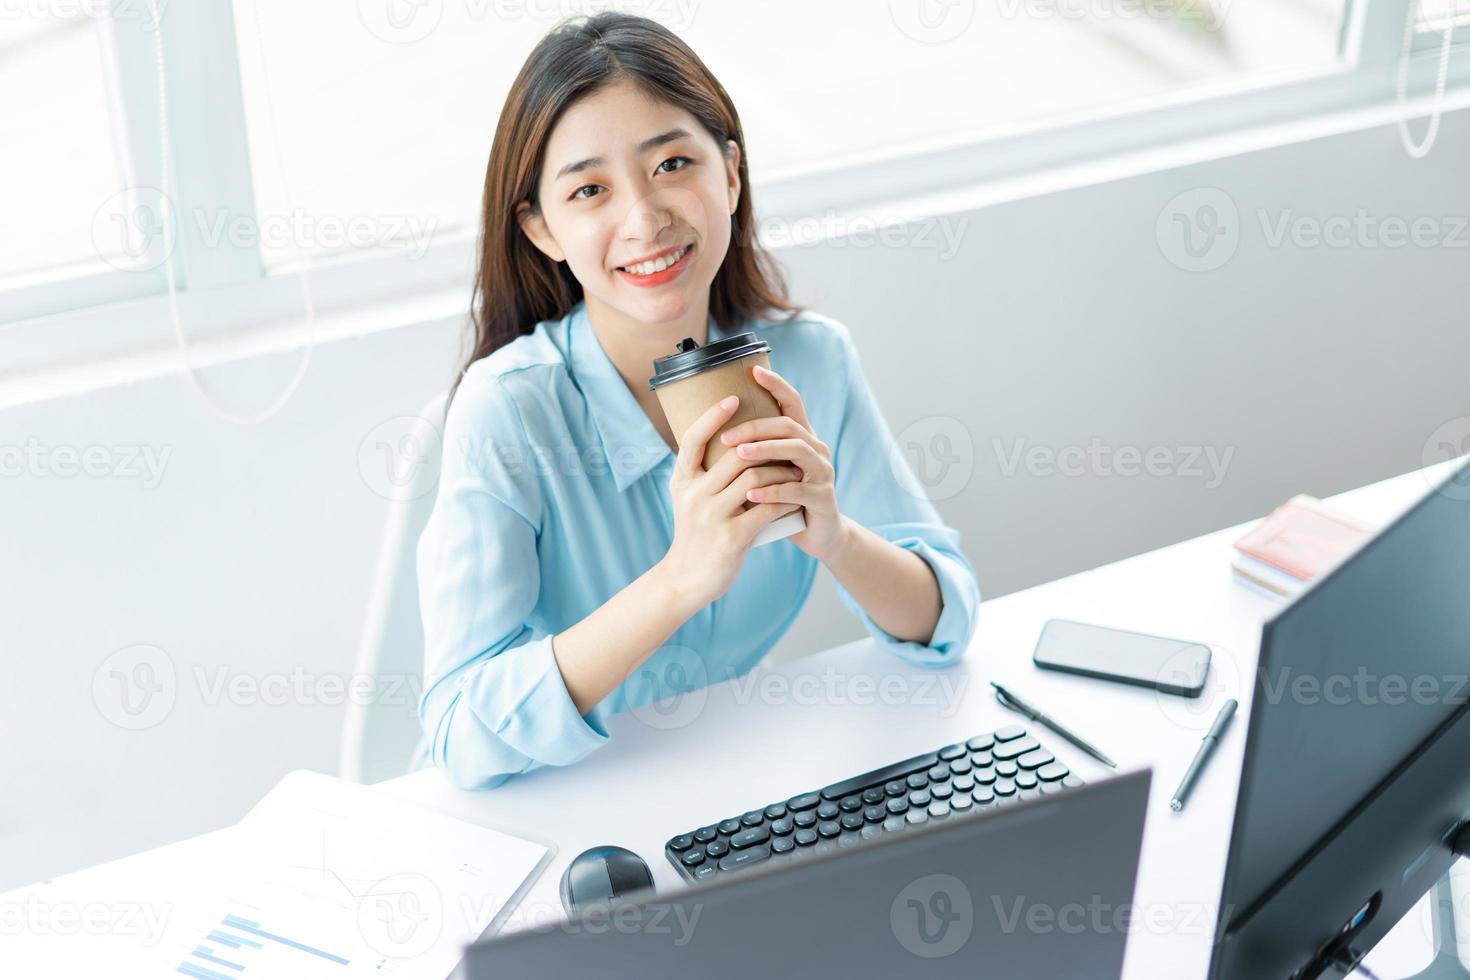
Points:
(1058, 321)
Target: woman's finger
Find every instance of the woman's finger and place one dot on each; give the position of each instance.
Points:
(691, 448)
(784, 394)
(798, 451)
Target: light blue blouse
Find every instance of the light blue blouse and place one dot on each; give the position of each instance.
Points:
(554, 496)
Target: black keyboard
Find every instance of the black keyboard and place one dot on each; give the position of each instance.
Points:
(984, 773)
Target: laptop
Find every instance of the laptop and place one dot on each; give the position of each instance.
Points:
(1032, 889)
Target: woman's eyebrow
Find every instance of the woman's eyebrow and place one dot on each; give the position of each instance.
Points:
(644, 147)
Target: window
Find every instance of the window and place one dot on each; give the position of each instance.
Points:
(60, 172)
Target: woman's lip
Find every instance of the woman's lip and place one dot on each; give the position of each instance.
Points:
(656, 255)
(658, 278)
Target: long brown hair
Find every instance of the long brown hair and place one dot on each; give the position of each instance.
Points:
(517, 286)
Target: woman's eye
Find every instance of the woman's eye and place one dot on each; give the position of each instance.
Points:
(685, 160)
(577, 194)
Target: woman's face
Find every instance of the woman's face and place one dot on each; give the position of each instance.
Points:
(630, 184)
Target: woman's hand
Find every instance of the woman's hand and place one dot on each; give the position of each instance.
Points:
(789, 437)
(712, 526)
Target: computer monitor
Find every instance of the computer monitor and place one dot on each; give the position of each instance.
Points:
(1035, 889)
(1355, 789)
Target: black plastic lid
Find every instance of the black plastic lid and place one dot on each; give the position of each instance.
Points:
(692, 358)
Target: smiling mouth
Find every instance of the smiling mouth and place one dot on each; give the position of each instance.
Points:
(656, 265)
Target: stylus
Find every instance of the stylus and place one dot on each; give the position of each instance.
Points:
(1016, 704)
(1206, 746)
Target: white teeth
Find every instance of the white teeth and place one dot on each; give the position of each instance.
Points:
(657, 265)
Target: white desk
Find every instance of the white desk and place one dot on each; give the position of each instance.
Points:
(724, 750)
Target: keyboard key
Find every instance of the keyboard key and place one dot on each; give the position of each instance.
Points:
(983, 796)
(824, 847)
(873, 794)
(693, 856)
(1071, 782)
(745, 858)
(875, 813)
(938, 773)
(939, 809)
(852, 821)
(717, 848)
(1006, 769)
(917, 816)
(1035, 759)
(753, 819)
(849, 838)
(963, 784)
(729, 826)
(829, 828)
(705, 871)
(896, 787)
(1026, 780)
(827, 810)
(872, 831)
(1052, 771)
(919, 797)
(980, 743)
(1030, 793)
(681, 843)
(806, 837)
(1009, 732)
(806, 818)
(781, 827)
(804, 802)
(851, 804)
(951, 752)
(941, 791)
(894, 824)
(1016, 747)
(749, 838)
(984, 777)
(781, 845)
(961, 765)
(961, 802)
(918, 780)
(898, 804)
(1052, 787)
(878, 776)
(1004, 787)
(982, 759)
(776, 811)
(706, 834)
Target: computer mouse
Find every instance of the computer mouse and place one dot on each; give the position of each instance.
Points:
(601, 875)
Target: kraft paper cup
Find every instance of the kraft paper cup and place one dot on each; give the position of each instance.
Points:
(689, 381)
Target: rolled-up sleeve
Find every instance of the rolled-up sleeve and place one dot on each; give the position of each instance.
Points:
(877, 488)
(494, 701)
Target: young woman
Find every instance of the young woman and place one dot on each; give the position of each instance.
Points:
(576, 563)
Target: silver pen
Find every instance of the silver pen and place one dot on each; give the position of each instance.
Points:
(1207, 745)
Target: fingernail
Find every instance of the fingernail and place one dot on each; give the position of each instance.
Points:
(729, 402)
(728, 438)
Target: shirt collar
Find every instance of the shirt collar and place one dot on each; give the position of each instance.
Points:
(629, 441)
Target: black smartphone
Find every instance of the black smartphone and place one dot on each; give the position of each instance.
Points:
(1173, 666)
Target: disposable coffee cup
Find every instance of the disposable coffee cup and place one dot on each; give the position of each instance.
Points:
(694, 378)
